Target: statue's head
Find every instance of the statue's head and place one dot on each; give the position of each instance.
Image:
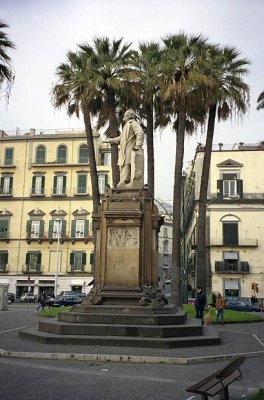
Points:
(129, 114)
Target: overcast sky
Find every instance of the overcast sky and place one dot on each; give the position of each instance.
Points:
(44, 30)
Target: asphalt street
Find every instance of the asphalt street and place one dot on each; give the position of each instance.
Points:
(22, 378)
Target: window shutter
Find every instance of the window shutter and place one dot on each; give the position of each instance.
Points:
(220, 188)
(55, 184)
(51, 223)
(92, 258)
(29, 223)
(230, 232)
(83, 258)
(33, 190)
(71, 259)
(73, 229)
(5, 258)
(2, 182)
(39, 258)
(86, 224)
(3, 228)
(240, 188)
(11, 183)
(41, 228)
(63, 228)
(42, 183)
(64, 183)
(27, 258)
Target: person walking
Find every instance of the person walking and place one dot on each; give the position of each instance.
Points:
(200, 300)
(220, 308)
(42, 301)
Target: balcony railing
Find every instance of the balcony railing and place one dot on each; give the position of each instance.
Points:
(81, 191)
(3, 268)
(28, 268)
(241, 243)
(58, 191)
(74, 269)
(241, 267)
(37, 191)
(6, 191)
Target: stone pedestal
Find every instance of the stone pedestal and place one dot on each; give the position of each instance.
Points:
(126, 247)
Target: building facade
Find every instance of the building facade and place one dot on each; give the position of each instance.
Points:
(235, 220)
(46, 210)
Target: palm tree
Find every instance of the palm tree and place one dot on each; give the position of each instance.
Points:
(6, 70)
(112, 60)
(148, 63)
(260, 101)
(227, 94)
(77, 90)
(182, 77)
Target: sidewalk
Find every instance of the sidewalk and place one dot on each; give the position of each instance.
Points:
(236, 339)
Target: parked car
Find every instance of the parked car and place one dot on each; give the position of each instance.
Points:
(81, 295)
(11, 297)
(66, 301)
(67, 293)
(27, 298)
(240, 305)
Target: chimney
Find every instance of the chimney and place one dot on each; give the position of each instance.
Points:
(220, 146)
(32, 131)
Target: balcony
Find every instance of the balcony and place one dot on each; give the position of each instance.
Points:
(32, 269)
(36, 192)
(6, 192)
(8, 163)
(77, 271)
(241, 267)
(59, 192)
(3, 268)
(81, 191)
(219, 242)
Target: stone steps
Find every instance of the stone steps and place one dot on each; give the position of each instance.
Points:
(210, 337)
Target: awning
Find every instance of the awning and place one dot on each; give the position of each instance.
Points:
(231, 284)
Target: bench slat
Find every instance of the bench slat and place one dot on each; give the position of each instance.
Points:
(217, 382)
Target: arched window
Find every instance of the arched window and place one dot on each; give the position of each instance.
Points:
(40, 154)
(62, 154)
(230, 230)
(83, 154)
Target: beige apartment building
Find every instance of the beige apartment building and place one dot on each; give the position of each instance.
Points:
(235, 219)
(46, 210)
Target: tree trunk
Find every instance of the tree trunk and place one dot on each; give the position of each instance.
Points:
(92, 159)
(113, 132)
(150, 149)
(176, 297)
(201, 225)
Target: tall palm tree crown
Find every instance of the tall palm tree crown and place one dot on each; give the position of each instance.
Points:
(260, 101)
(6, 70)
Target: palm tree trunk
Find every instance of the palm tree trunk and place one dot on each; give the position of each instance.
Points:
(150, 149)
(176, 297)
(201, 269)
(92, 159)
(113, 132)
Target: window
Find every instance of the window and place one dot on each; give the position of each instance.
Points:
(82, 183)
(38, 183)
(35, 229)
(41, 154)
(9, 153)
(230, 185)
(79, 229)
(102, 182)
(59, 187)
(4, 223)
(6, 185)
(106, 158)
(3, 261)
(62, 154)
(78, 261)
(57, 229)
(231, 260)
(83, 154)
(33, 261)
(230, 234)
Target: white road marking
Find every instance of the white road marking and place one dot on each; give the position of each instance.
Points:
(14, 329)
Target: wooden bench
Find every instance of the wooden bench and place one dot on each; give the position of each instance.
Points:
(219, 381)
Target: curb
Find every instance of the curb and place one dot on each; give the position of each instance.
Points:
(124, 358)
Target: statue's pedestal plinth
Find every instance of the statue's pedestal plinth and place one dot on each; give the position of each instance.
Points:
(126, 247)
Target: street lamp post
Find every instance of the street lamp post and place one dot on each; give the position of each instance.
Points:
(59, 224)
